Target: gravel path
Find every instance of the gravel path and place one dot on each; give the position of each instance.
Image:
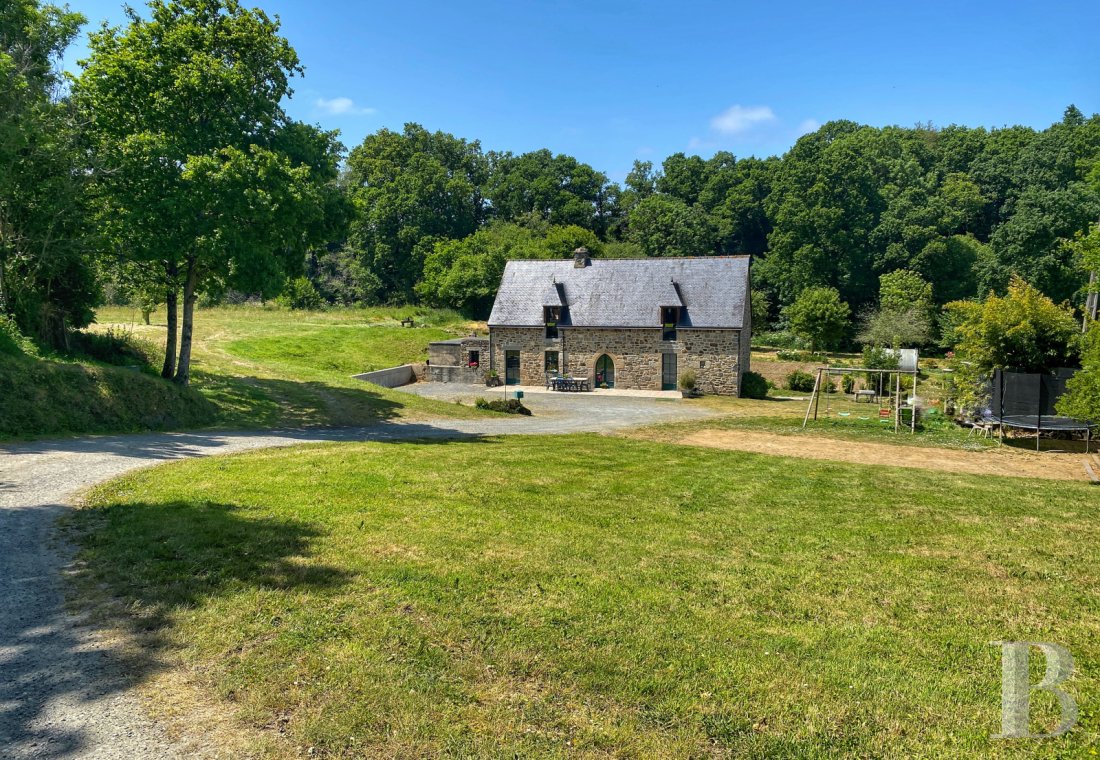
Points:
(65, 688)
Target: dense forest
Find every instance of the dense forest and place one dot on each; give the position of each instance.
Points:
(166, 172)
(434, 216)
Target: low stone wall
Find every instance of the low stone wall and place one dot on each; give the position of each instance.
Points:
(392, 377)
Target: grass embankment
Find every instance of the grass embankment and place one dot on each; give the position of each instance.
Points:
(48, 396)
(251, 368)
(593, 596)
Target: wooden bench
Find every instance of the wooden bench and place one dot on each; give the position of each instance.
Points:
(408, 322)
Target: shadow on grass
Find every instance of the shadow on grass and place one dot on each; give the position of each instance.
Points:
(267, 402)
(169, 556)
(58, 680)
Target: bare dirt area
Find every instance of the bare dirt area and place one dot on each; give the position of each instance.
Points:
(1005, 462)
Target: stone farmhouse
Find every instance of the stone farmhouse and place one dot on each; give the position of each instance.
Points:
(624, 323)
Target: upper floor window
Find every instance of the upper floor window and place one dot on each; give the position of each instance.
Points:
(550, 316)
(670, 317)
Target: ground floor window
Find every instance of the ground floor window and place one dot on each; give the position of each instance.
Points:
(553, 361)
(475, 358)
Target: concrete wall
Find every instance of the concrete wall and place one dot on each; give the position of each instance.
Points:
(715, 356)
(393, 377)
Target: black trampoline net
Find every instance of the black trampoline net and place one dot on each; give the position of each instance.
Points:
(1028, 400)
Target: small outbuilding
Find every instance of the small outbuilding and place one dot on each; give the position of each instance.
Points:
(460, 360)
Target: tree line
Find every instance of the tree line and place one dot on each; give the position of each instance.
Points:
(167, 170)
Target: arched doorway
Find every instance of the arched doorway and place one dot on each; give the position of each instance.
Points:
(605, 372)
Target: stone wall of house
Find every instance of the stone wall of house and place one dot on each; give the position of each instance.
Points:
(713, 355)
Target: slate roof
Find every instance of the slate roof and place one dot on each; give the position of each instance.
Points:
(625, 292)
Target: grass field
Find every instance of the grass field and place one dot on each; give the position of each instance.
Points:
(262, 368)
(591, 596)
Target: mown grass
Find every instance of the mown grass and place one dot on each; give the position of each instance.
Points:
(590, 596)
(252, 367)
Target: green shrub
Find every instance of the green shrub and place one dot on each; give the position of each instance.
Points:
(753, 385)
(848, 383)
(12, 341)
(508, 406)
(299, 293)
(116, 346)
(688, 381)
(800, 381)
(776, 339)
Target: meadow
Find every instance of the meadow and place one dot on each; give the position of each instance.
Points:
(587, 596)
(253, 367)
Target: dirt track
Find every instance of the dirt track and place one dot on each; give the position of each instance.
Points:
(1006, 462)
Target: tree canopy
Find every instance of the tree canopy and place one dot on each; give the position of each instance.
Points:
(201, 177)
(819, 316)
(47, 276)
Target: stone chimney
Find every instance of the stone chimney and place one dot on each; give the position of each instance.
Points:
(581, 258)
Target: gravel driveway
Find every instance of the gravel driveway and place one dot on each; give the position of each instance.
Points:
(65, 689)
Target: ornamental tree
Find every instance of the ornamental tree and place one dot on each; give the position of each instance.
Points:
(1022, 330)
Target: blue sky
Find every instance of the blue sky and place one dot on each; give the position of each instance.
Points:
(611, 82)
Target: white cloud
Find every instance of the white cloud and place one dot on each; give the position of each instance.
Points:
(737, 119)
(340, 107)
(807, 126)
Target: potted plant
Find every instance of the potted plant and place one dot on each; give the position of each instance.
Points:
(687, 385)
(492, 379)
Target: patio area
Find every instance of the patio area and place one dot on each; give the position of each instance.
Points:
(554, 412)
(588, 390)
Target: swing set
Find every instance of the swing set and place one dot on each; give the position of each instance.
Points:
(865, 395)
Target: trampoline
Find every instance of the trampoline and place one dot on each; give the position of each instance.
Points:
(1026, 401)
(1041, 423)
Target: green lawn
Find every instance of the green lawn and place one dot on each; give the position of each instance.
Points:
(266, 367)
(594, 596)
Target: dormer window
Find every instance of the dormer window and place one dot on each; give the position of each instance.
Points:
(551, 315)
(670, 317)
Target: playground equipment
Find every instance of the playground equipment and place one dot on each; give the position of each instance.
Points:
(865, 395)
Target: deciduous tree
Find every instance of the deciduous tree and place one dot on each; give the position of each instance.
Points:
(203, 176)
(819, 316)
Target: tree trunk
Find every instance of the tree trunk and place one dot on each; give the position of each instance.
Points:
(183, 368)
(171, 295)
